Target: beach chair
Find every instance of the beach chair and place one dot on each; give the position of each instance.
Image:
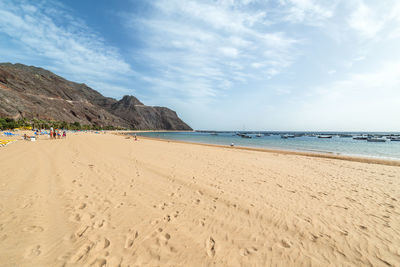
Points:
(4, 143)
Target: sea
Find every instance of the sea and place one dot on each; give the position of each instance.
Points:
(341, 143)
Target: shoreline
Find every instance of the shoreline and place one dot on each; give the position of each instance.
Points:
(329, 155)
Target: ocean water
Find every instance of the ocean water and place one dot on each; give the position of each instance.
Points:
(335, 145)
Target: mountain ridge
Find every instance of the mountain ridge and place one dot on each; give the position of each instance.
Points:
(36, 93)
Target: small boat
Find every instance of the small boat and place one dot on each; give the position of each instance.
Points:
(360, 137)
(324, 136)
(258, 135)
(395, 139)
(286, 136)
(376, 139)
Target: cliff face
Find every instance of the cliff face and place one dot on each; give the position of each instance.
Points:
(31, 92)
(146, 117)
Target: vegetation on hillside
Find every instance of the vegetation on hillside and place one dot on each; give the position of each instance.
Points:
(9, 124)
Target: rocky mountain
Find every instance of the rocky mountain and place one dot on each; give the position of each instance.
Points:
(31, 92)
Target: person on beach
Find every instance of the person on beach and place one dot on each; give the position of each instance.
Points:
(51, 133)
(135, 137)
(54, 134)
(64, 134)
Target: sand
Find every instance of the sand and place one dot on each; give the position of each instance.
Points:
(104, 200)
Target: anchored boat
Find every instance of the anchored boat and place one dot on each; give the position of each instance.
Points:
(376, 139)
(324, 136)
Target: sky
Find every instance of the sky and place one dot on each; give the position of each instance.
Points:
(318, 65)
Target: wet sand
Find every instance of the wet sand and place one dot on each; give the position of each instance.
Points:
(104, 200)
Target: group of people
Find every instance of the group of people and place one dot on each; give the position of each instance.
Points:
(56, 134)
(36, 135)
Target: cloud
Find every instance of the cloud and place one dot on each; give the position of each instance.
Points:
(204, 48)
(371, 19)
(365, 21)
(48, 35)
(308, 11)
(362, 101)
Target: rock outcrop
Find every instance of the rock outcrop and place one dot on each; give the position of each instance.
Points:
(31, 92)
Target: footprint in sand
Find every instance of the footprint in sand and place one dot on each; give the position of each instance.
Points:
(81, 230)
(130, 239)
(162, 240)
(119, 205)
(100, 223)
(82, 206)
(102, 243)
(154, 222)
(32, 251)
(100, 262)
(162, 206)
(363, 227)
(210, 247)
(82, 253)
(75, 218)
(202, 222)
(33, 229)
(247, 251)
(167, 218)
(286, 243)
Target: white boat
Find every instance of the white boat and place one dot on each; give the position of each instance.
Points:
(324, 136)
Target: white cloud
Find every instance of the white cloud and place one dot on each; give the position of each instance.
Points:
(229, 51)
(369, 19)
(217, 42)
(362, 101)
(48, 33)
(308, 11)
(331, 72)
(365, 21)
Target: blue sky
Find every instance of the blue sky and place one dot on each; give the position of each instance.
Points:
(224, 65)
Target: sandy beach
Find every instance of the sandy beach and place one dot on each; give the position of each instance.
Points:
(105, 200)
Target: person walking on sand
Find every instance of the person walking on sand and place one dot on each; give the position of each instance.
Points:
(135, 137)
(64, 135)
(51, 133)
(54, 134)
